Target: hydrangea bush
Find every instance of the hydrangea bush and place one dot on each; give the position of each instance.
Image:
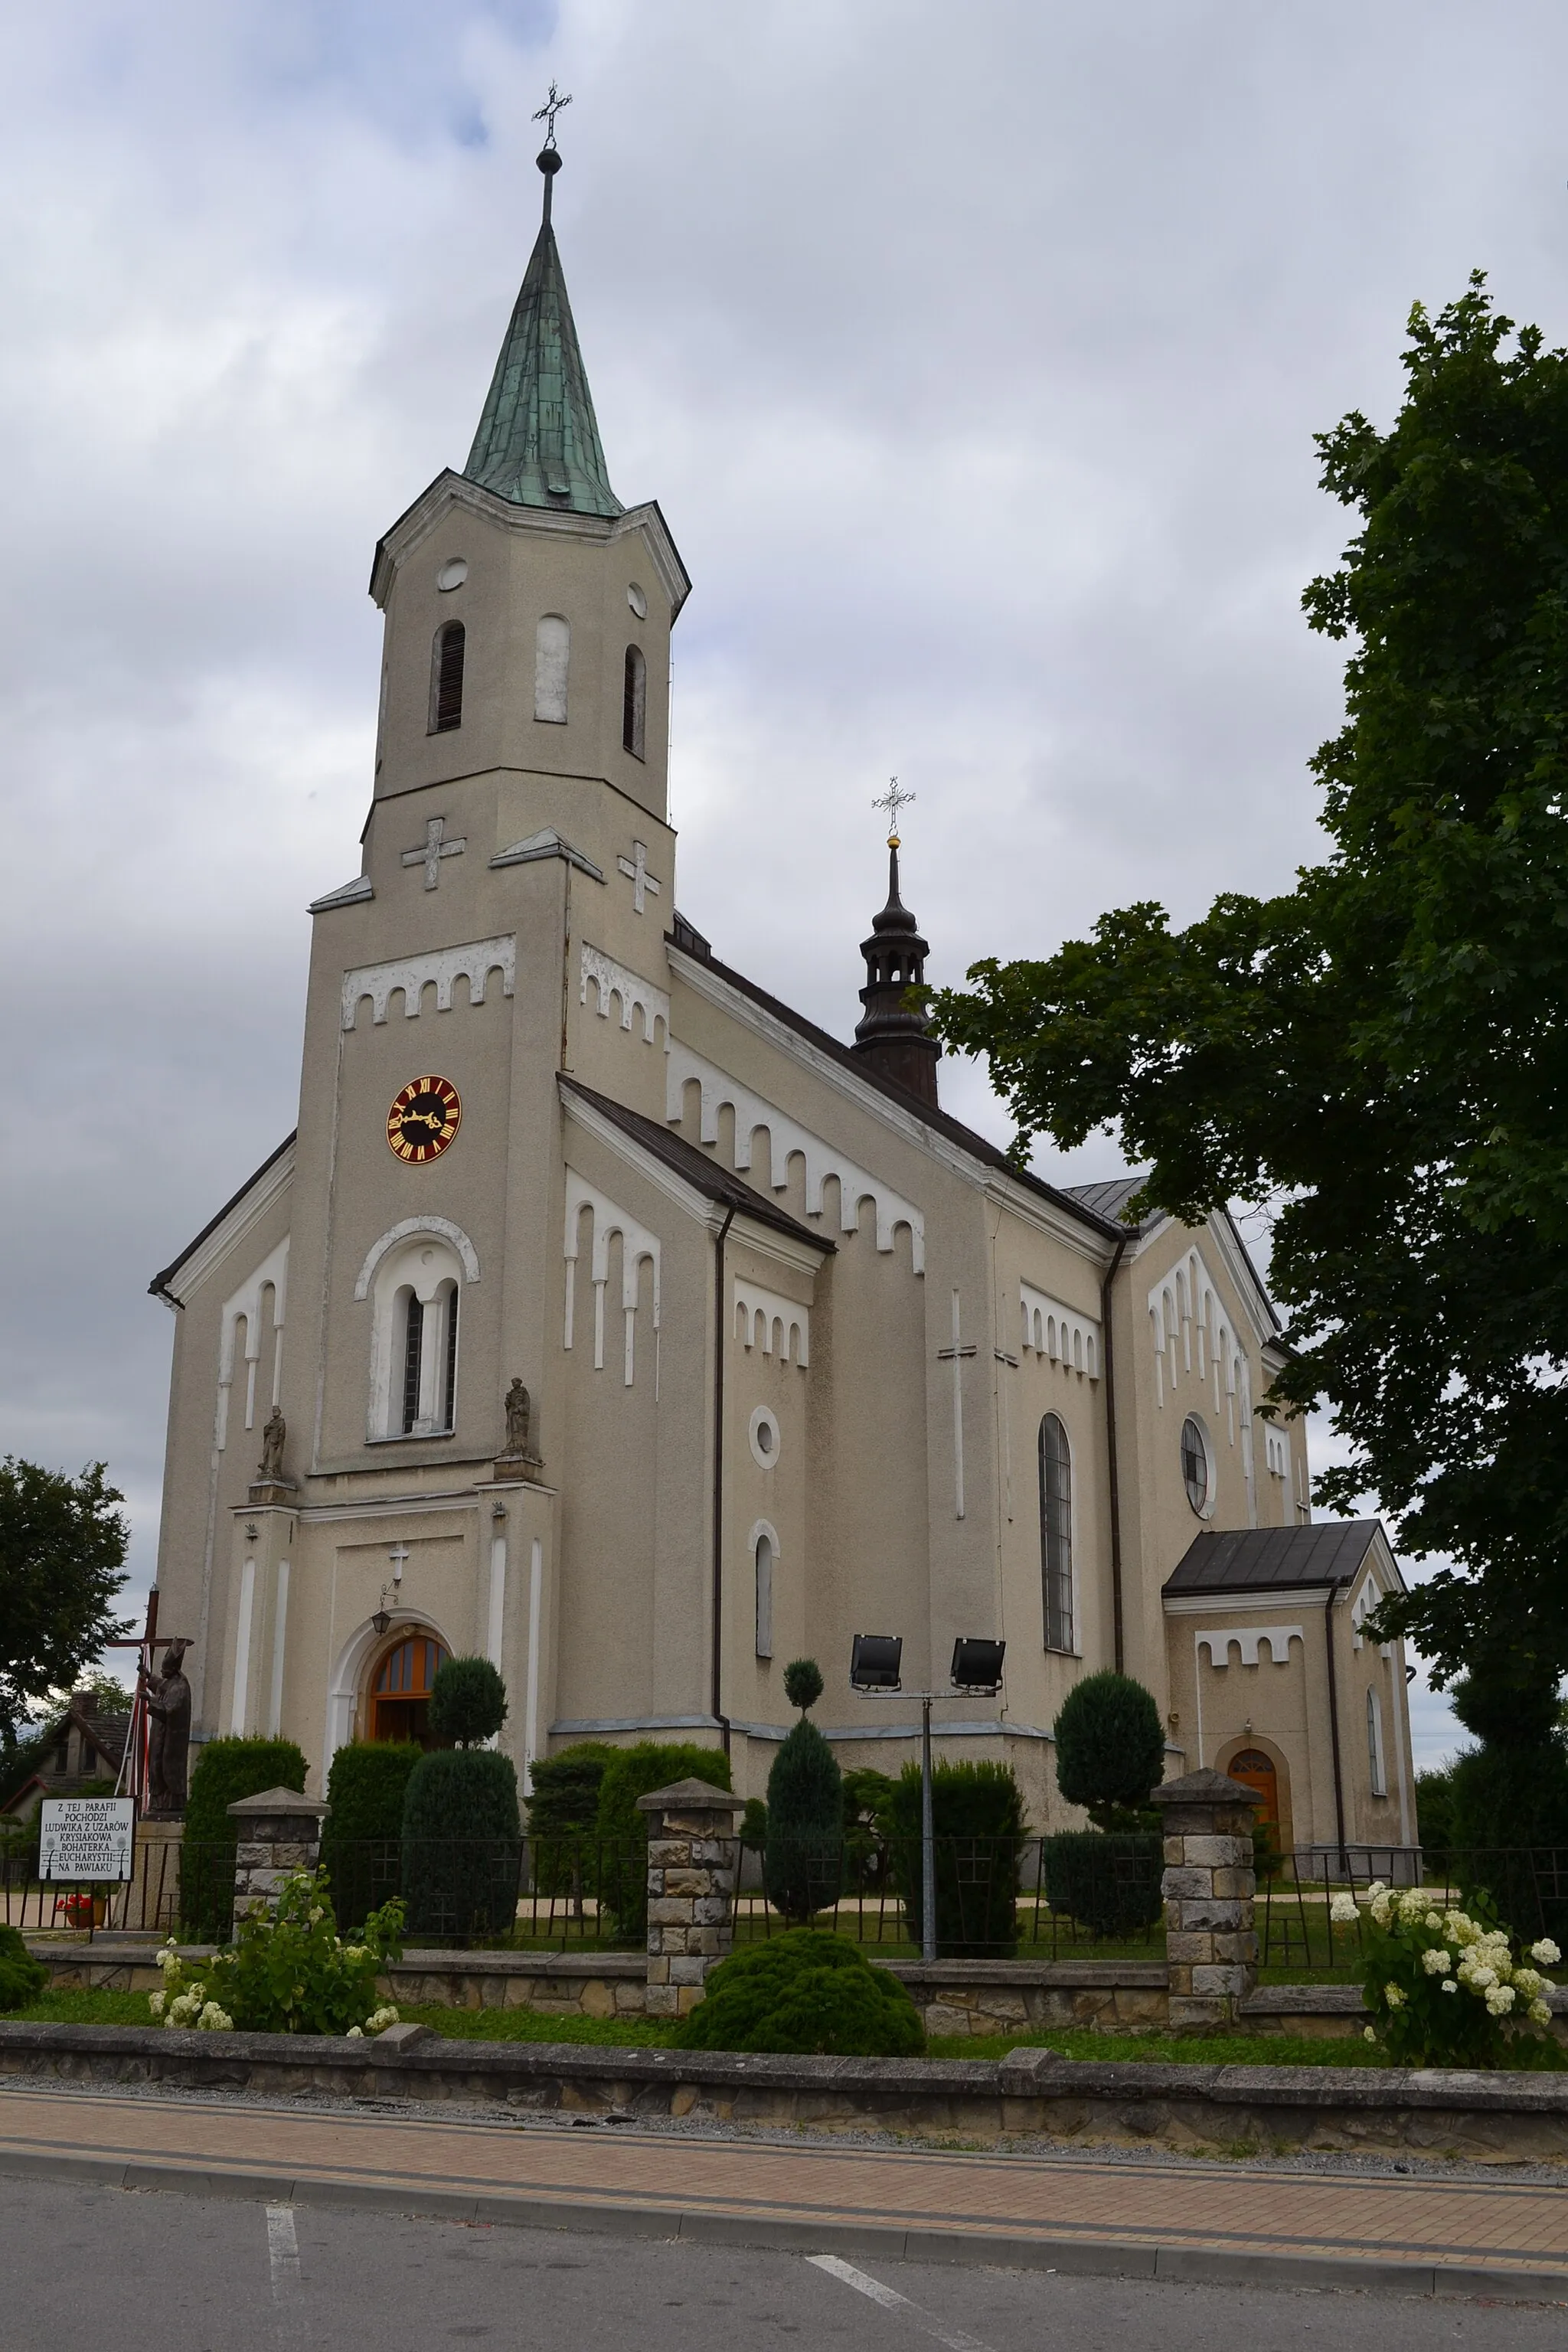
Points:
(1445, 1989)
(287, 1972)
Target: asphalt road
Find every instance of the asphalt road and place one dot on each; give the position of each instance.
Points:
(105, 2270)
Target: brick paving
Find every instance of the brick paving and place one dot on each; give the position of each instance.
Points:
(1190, 2207)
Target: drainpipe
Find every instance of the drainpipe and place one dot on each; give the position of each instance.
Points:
(1334, 1728)
(721, 1323)
(1110, 1364)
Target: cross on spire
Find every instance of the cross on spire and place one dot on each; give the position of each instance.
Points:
(893, 800)
(548, 112)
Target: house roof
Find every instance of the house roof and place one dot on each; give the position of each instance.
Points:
(159, 1286)
(684, 1159)
(692, 943)
(1257, 1559)
(1109, 1200)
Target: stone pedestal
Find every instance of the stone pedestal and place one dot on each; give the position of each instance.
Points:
(693, 1860)
(151, 1902)
(279, 1833)
(1209, 1889)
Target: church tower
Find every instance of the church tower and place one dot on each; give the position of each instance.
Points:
(891, 1035)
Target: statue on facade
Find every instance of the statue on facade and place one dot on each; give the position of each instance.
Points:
(519, 1453)
(270, 1471)
(168, 1698)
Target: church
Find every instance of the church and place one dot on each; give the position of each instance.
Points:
(607, 1318)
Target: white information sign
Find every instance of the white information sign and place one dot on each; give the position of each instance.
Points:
(90, 1839)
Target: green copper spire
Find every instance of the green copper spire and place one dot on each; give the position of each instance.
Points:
(538, 442)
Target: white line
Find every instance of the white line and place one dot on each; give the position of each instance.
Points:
(283, 2251)
(891, 2300)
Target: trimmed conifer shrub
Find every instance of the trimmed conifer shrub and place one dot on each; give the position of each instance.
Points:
(462, 1844)
(977, 1814)
(225, 1770)
(808, 1992)
(562, 1820)
(801, 1862)
(1109, 1881)
(635, 1772)
(22, 1977)
(1110, 1749)
(468, 1702)
(365, 1789)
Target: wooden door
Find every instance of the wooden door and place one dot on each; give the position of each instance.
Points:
(1256, 1771)
(400, 1688)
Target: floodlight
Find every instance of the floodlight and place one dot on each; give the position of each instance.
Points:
(874, 1662)
(977, 1665)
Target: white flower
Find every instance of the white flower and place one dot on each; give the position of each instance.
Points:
(1539, 2014)
(1449, 1985)
(1436, 1961)
(378, 2021)
(355, 1952)
(155, 2002)
(1546, 1952)
(1379, 1907)
(1459, 1927)
(1500, 2000)
(355, 2034)
(1376, 1889)
(1527, 1982)
(1343, 1909)
(1477, 1974)
(317, 1915)
(213, 2019)
(1367, 2034)
(1412, 1906)
(1433, 1920)
(1394, 1996)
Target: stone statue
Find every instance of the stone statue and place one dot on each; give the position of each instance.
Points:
(169, 1734)
(518, 1423)
(272, 1436)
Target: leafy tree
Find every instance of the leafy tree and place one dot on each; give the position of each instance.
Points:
(468, 1702)
(1381, 1052)
(62, 1554)
(1110, 1749)
(805, 1808)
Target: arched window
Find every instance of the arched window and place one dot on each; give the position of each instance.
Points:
(765, 1563)
(634, 703)
(1375, 1744)
(446, 678)
(552, 659)
(1056, 1532)
(414, 1349)
(400, 1688)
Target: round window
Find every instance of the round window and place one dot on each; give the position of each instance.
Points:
(1196, 1476)
(763, 1434)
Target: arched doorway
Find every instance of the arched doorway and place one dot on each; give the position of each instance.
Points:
(1256, 1771)
(400, 1688)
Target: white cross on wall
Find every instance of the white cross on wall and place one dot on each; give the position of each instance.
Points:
(397, 1556)
(436, 847)
(639, 875)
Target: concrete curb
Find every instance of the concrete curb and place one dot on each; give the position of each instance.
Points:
(1077, 2257)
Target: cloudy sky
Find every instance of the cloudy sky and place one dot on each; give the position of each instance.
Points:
(975, 357)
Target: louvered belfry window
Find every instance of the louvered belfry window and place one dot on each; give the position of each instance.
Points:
(446, 679)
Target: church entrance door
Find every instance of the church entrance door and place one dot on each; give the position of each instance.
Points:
(1256, 1771)
(400, 1688)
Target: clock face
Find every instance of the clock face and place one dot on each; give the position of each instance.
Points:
(424, 1119)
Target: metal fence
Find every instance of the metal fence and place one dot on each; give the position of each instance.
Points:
(176, 1889)
(1524, 1888)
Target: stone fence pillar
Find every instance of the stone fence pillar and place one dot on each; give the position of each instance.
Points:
(693, 1861)
(279, 1833)
(1209, 1888)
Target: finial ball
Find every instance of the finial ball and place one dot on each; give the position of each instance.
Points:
(548, 160)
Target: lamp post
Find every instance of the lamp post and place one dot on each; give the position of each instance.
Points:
(875, 1661)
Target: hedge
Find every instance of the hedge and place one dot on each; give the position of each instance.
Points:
(365, 1789)
(622, 1829)
(462, 1844)
(977, 1811)
(225, 1770)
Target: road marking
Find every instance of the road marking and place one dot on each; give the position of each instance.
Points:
(283, 2253)
(891, 2300)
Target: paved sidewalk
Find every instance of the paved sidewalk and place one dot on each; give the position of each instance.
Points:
(1193, 2220)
